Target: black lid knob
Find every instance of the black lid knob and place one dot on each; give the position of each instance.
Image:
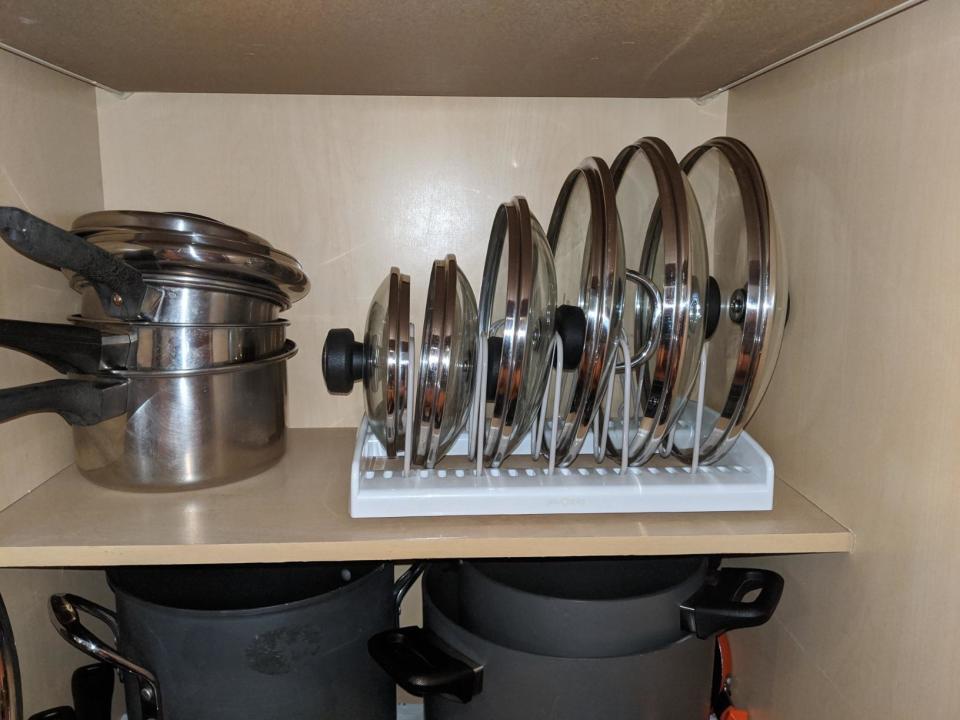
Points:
(342, 362)
(571, 323)
(494, 354)
(712, 304)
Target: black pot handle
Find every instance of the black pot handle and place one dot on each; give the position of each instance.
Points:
(422, 664)
(65, 348)
(79, 402)
(65, 612)
(719, 606)
(121, 288)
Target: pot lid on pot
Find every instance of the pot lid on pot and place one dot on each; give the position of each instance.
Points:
(516, 316)
(587, 246)
(381, 361)
(748, 265)
(448, 355)
(664, 240)
(186, 244)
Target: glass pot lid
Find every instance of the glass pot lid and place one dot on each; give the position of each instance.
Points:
(187, 244)
(516, 316)
(664, 240)
(381, 361)
(587, 245)
(448, 357)
(748, 267)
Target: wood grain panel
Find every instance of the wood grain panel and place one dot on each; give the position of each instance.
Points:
(520, 48)
(50, 165)
(299, 511)
(861, 149)
(353, 185)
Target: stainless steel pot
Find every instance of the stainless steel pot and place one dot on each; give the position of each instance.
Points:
(189, 299)
(628, 639)
(199, 274)
(94, 346)
(247, 641)
(169, 430)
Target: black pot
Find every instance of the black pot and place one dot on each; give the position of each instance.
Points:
(569, 639)
(264, 641)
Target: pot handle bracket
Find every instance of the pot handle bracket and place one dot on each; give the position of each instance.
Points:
(423, 664)
(719, 606)
(65, 612)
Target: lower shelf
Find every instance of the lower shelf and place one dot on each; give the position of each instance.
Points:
(299, 511)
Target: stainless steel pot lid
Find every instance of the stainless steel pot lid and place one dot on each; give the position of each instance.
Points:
(11, 699)
(587, 245)
(516, 315)
(193, 245)
(748, 264)
(663, 239)
(448, 354)
(201, 226)
(381, 361)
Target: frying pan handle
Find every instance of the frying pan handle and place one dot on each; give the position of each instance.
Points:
(719, 607)
(422, 664)
(653, 337)
(79, 402)
(65, 348)
(65, 612)
(121, 288)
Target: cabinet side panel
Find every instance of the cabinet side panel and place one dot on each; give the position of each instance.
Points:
(50, 165)
(860, 145)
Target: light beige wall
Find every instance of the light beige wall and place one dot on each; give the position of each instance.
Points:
(50, 165)
(353, 185)
(861, 146)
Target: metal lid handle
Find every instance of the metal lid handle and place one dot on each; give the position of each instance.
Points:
(653, 340)
(65, 612)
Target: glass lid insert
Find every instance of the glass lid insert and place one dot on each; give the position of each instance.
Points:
(747, 265)
(587, 246)
(381, 361)
(663, 238)
(516, 313)
(448, 357)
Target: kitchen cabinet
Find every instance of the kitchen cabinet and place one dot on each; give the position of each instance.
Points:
(859, 148)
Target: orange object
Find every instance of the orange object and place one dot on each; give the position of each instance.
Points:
(733, 713)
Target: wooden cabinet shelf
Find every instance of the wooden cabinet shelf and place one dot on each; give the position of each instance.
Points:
(298, 511)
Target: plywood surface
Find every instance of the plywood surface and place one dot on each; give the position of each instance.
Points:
(353, 185)
(561, 48)
(49, 164)
(299, 511)
(860, 145)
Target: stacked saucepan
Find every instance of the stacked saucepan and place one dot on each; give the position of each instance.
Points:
(176, 363)
(668, 271)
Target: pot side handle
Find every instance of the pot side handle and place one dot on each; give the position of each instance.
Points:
(65, 612)
(65, 348)
(79, 402)
(121, 287)
(422, 664)
(719, 607)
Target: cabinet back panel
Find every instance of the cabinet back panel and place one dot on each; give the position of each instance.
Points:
(353, 185)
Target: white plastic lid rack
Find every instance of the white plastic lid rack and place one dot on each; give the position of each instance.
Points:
(389, 487)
